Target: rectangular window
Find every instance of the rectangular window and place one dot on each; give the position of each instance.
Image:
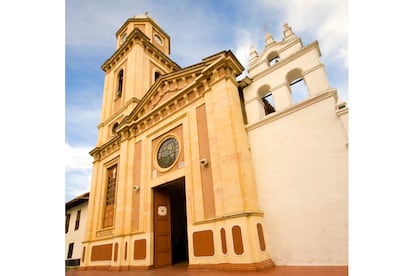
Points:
(77, 220)
(67, 223)
(109, 206)
(70, 250)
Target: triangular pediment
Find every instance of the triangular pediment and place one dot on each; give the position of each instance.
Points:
(174, 90)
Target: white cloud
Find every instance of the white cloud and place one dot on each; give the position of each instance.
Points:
(83, 115)
(77, 183)
(322, 20)
(78, 170)
(242, 52)
(77, 158)
(89, 22)
(81, 123)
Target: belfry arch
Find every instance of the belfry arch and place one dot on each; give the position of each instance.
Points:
(297, 86)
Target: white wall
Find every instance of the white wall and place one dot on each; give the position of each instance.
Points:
(76, 236)
(301, 163)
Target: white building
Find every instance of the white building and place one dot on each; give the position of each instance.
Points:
(76, 210)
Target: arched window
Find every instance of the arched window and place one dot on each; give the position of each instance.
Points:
(268, 104)
(114, 128)
(299, 91)
(297, 86)
(120, 83)
(123, 37)
(273, 58)
(156, 75)
(266, 99)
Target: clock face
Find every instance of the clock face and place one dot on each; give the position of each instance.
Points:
(168, 152)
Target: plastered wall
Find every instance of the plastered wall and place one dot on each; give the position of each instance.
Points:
(301, 175)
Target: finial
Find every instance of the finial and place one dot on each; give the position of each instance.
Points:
(268, 38)
(253, 53)
(146, 13)
(287, 31)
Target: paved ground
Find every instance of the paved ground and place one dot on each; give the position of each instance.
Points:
(181, 270)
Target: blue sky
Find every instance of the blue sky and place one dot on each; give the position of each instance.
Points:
(210, 27)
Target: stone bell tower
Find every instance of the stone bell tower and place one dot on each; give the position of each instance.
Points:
(298, 134)
(141, 56)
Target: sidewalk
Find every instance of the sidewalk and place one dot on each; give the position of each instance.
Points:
(181, 270)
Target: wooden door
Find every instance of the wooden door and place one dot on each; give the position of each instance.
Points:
(162, 229)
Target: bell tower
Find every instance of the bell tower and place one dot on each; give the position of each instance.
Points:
(141, 57)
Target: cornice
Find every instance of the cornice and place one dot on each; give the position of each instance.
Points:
(229, 55)
(269, 47)
(148, 111)
(119, 112)
(77, 201)
(104, 150)
(163, 81)
(286, 60)
(203, 76)
(231, 216)
(340, 111)
(146, 19)
(243, 83)
(292, 109)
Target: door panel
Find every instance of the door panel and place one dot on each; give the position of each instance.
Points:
(162, 229)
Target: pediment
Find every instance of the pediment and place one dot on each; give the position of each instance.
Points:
(176, 89)
(163, 90)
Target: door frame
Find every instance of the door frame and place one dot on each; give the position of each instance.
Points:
(162, 197)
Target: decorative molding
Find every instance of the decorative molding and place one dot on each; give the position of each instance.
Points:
(149, 110)
(119, 112)
(293, 108)
(286, 60)
(138, 37)
(269, 47)
(106, 149)
(105, 233)
(341, 108)
(230, 216)
(342, 112)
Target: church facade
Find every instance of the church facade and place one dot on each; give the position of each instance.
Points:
(194, 166)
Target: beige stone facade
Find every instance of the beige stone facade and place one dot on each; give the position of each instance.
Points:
(188, 166)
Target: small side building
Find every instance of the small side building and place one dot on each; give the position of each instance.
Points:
(76, 210)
